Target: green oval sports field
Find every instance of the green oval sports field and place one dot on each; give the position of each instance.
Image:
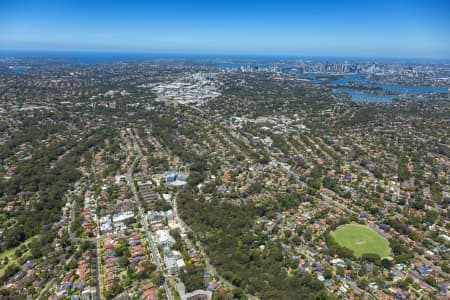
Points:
(361, 239)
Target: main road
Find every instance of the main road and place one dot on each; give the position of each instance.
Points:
(154, 250)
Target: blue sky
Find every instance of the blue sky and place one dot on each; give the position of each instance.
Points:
(321, 28)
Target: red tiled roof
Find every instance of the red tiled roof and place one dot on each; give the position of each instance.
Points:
(151, 294)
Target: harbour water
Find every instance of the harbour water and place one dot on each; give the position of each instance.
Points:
(18, 69)
(392, 91)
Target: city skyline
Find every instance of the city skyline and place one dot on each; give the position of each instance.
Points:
(402, 29)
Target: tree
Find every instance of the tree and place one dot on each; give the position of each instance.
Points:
(363, 270)
(35, 250)
(147, 269)
(157, 278)
(287, 233)
(192, 277)
(436, 192)
(237, 293)
(371, 257)
(328, 273)
(402, 167)
(118, 248)
(386, 263)
(431, 216)
(14, 236)
(297, 241)
(123, 261)
(10, 270)
(363, 283)
(445, 266)
(308, 234)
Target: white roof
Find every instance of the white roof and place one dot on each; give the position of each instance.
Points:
(180, 263)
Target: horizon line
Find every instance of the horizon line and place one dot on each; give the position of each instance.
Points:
(231, 54)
